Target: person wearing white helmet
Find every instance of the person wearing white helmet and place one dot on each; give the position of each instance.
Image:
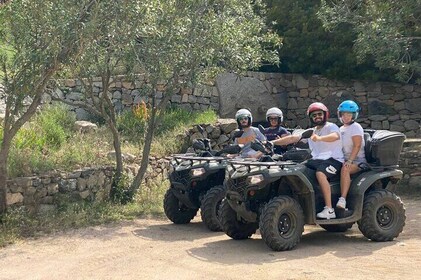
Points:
(244, 120)
(275, 117)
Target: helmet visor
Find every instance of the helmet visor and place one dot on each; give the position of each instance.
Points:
(242, 117)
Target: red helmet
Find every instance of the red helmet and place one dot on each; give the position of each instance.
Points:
(318, 106)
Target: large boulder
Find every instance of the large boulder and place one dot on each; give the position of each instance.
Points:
(237, 92)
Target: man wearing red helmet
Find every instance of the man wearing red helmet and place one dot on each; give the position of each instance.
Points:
(326, 151)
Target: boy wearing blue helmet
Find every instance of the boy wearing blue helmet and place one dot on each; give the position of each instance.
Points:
(353, 144)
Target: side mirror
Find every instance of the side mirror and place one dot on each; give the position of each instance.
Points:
(261, 129)
(258, 146)
(200, 129)
(307, 134)
(198, 145)
(237, 133)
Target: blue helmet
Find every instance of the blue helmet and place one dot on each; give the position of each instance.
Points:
(348, 106)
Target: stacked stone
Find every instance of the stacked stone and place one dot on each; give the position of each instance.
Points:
(41, 193)
(389, 106)
(410, 164)
(125, 94)
(219, 134)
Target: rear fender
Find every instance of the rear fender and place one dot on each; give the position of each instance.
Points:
(360, 185)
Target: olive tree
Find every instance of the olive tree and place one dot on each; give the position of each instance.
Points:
(107, 54)
(38, 37)
(389, 31)
(182, 42)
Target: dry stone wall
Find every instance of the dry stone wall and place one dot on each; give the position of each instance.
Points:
(390, 106)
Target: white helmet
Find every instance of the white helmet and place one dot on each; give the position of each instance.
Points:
(275, 112)
(243, 113)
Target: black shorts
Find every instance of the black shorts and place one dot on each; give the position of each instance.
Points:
(330, 167)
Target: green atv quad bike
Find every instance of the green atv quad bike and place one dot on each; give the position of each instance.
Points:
(280, 197)
(197, 182)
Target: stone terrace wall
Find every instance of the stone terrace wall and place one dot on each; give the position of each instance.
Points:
(40, 193)
(384, 105)
(126, 94)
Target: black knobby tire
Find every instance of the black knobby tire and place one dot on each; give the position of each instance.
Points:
(337, 228)
(177, 212)
(383, 216)
(210, 207)
(282, 223)
(234, 228)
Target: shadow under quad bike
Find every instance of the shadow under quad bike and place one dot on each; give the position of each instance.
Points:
(281, 197)
(197, 182)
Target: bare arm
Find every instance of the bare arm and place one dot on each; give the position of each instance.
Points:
(332, 137)
(356, 141)
(289, 139)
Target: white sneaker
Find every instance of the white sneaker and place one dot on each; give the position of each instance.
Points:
(341, 203)
(327, 213)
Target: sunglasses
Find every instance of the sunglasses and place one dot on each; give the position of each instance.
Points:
(242, 118)
(273, 118)
(313, 115)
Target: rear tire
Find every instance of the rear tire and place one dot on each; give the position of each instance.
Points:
(232, 226)
(210, 205)
(282, 223)
(337, 228)
(176, 211)
(383, 216)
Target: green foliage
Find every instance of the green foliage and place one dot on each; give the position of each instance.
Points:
(120, 191)
(181, 42)
(388, 31)
(309, 48)
(33, 151)
(173, 124)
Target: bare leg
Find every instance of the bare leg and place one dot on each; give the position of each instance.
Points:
(325, 188)
(346, 178)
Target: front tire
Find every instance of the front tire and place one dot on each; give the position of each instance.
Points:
(210, 207)
(282, 223)
(232, 226)
(176, 211)
(383, 216)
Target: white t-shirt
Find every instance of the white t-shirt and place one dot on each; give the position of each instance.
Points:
(346, 134)
(326, 150)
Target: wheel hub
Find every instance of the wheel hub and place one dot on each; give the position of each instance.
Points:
(384, 216)
(284, 224)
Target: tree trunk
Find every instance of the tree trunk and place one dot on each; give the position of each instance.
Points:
(118, 154)
(145, 154)
(4, 154)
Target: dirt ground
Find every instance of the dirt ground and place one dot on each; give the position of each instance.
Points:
(158, 249)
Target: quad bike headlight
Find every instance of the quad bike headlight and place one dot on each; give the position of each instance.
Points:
(197, 172)
(255, 179)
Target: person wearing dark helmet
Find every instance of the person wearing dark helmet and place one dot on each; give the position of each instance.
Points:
(275, 117)
(244, 120)
(326, 151)
(353, 145)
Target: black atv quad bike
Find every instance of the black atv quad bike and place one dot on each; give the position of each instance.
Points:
(280, 197)
(197, 182)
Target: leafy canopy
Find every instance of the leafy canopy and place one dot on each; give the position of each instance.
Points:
(389, 31)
